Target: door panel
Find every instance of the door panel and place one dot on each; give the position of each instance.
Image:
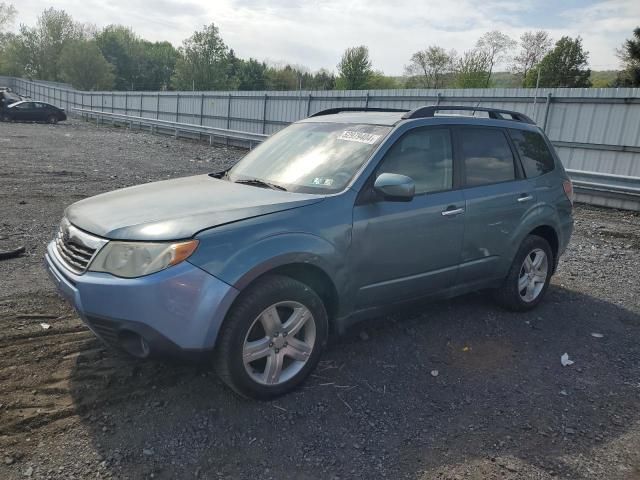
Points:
(497, 198)
(406, 249)
(402, 250)
(492, 217)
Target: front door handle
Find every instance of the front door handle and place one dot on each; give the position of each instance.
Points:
(452, 211)
(525, 198)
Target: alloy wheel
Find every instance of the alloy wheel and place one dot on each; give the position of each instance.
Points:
(533, 275)
(279, 343)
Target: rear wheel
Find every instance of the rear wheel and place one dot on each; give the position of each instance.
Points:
(272, 338)
(529, 275)
(6, 117)
(52, 119)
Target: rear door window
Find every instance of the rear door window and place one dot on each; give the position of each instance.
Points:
(486, 156)
(534, 153)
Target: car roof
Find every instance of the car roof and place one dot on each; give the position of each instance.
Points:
(362, 117)
(434, 115)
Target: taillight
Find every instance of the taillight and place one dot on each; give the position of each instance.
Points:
(568, 190)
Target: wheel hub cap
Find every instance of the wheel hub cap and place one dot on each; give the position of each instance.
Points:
(533, 275)
(279, 343)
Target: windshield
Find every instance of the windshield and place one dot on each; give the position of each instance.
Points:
(310, 157)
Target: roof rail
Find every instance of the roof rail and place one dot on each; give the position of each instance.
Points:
(331, 111)
(495, 113)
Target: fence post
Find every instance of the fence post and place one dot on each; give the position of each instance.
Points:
(309, 105)
(201, 107)
(366, 100)
(177, 109)
(158, 107)
(112, 102)
(141, 97)
(229, 112)
(264, 113)
(547, 107)
(126, 103)
(438, 98)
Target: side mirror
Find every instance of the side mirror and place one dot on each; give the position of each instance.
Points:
(395, 187)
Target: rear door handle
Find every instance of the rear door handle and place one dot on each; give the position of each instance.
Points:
(452, 211)
(525, 198)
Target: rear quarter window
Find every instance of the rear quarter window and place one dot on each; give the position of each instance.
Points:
(533, 151)
(486, 155)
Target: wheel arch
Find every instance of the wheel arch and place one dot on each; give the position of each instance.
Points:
(311, 275)
(551, 236)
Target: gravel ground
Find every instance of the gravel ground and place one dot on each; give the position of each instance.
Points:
(501, 405)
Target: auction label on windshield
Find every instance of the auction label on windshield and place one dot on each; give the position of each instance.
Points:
(361, 137)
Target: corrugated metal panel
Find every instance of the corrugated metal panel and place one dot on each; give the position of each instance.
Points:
(603, 121)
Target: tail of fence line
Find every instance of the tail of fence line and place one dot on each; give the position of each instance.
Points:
(596, 131)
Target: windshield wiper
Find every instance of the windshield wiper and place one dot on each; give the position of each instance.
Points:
(261, 183)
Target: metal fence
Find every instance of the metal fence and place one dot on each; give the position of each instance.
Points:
(595, 131)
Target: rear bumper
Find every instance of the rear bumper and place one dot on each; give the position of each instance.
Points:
(179, 309)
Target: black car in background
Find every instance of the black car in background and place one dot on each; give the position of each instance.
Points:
(30, 111)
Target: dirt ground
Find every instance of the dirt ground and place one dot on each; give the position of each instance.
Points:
(501, 406)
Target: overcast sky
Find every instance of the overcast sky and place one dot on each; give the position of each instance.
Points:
(315, 33)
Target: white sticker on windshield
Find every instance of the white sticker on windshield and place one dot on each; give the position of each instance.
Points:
(361, 137)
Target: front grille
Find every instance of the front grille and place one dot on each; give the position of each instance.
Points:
(74, 255)
(76, 248)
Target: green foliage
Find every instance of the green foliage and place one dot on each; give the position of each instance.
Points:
(378, 81)
(82, 65)
(429, 68)
(40, 46)
(138, 64)
(354, 69)
(533, 47)
(204, 62)
(564, 66)
(472, 70)
(630, 56)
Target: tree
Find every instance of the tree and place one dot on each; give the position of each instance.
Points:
(564, 66)
(252, 75)
(472, 69)
(533, 47)
(286, 78)
(495, 47)
(430, 66)
(203, 62)
(323, 80)
(7, 15)
(157, 62)
(82, 65)
(378, 81)
(629, 53)
(354, 69)
(41, 45)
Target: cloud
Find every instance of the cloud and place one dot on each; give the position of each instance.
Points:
(316, 32)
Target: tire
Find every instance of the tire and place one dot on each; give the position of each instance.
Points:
(52, 119)
(510, 295)
(251, 329)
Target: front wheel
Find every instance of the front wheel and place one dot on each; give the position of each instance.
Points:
(52, 119)
(272, 338)
(529, 276)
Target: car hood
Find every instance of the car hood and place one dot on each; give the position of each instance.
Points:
(179, 208)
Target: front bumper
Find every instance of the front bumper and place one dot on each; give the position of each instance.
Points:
(178, 309)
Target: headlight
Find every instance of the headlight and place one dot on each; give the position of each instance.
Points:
(135, 259)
